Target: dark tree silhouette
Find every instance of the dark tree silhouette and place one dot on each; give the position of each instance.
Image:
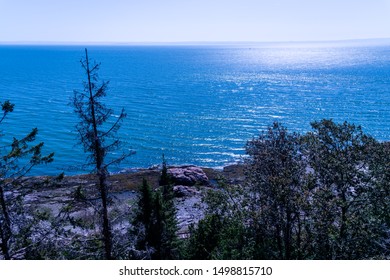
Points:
(275, 177)
(16, 160)
(155, 224)
(98, 136)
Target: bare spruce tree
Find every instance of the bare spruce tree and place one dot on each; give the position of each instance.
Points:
(98, 135)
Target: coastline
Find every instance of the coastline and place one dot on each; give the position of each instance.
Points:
(46, 194)
(131, 179)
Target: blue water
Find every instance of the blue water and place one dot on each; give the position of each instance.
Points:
(196, 104)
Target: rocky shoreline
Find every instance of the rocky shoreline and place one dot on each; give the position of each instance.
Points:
(189, 184)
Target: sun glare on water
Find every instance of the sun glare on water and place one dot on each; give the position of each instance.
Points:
(300, 56)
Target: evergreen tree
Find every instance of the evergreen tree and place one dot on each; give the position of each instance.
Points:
(98, 137)
(156, 223)
(143, 221)
(16, 160)
(204, 238)
(165, 179)
(166, 241)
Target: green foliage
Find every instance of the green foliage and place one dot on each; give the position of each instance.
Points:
(155, 224)
(204, 238)
(379, 192)
(165, 179)
(165, 240)
(222, 233)
(7, 107)
(261, 218)
(16, 160)
(143, 219)
(275, 180)
(168, 247)
(145, 204)
(323, 195)
(341, 157)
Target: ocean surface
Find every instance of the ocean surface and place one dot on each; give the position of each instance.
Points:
(196, 104)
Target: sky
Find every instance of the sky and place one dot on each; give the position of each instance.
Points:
(126, 21)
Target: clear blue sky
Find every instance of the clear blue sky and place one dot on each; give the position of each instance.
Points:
(192, 20)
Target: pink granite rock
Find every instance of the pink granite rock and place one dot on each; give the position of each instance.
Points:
(188, 175)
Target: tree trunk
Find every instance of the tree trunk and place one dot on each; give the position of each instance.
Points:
(5, 227)
(106, 225)
(343, 226)
(287, 236)
(101, 172)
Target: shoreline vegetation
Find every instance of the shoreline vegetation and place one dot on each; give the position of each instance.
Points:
(69, 203)
(322, 195)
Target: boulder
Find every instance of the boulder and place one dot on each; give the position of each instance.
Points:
(185, 191)
(188, 176)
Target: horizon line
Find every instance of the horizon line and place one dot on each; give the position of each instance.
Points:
(156, 43)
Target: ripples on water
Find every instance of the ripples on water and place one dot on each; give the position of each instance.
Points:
(195, 104)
